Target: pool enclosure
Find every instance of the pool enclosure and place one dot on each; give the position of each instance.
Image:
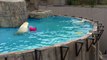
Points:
(86, 47)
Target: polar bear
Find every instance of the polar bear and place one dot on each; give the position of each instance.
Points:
(23, 28)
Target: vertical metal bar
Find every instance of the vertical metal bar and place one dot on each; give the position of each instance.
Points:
(36, 58)
(33, 56)
(5, 58)
(97, 51)
(61, 52)
(23, 56)
(38, 54)
(76, 49)
(86, 44)
(63, 56)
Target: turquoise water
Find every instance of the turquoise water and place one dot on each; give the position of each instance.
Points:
(50, 31)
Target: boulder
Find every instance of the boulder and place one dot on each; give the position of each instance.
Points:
(40, 13)
(12, 13)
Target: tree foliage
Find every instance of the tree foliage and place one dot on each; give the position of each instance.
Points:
(86, 2)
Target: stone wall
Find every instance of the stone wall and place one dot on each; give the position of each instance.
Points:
(12, 13)
(32, 5)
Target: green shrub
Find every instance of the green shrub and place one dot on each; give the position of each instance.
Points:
(72, 2)
(104, 2)
(92, 3)
(69, 2)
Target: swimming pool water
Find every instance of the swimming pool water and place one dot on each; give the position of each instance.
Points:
(50, 31)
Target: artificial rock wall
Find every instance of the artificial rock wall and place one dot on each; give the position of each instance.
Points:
(12, 13)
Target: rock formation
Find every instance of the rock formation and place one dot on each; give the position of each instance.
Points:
(12, 13)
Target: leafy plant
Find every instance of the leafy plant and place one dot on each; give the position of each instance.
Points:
(73, 2)
(69, 2)
(92, 3)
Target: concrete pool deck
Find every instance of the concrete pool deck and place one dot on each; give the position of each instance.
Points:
(105, 57)
(98, 13)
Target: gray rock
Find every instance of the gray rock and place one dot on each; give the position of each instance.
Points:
(12, 13)
(40, 13)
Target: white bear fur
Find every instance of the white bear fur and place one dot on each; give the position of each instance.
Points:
(23, 28)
